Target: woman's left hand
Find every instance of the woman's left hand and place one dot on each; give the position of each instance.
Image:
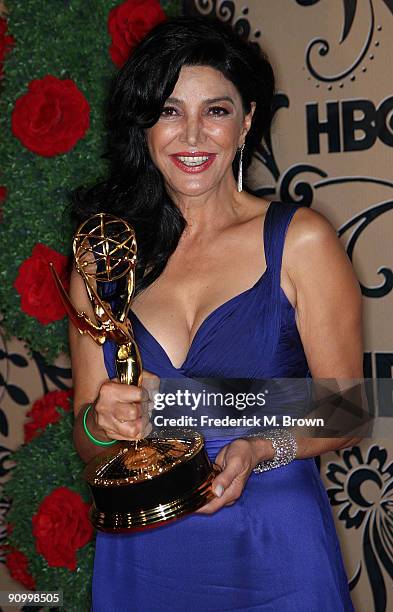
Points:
(237, 460)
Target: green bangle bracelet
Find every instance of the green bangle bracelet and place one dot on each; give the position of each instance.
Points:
(92, 438)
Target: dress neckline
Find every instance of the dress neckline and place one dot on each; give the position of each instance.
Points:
(201, 327)
(220, 307)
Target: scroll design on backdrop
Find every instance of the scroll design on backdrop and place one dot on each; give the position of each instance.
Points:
(290, 187)
(362, 221)
(323, 46)
(48, 373)
(364, 489)
(225, 11)
(52, 373)
(15, 392)
(264, 151)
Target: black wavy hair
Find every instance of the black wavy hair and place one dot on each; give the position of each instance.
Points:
(134, 188)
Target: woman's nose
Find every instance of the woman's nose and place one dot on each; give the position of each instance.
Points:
(193, 133)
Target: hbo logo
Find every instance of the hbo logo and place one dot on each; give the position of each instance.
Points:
(350, 125)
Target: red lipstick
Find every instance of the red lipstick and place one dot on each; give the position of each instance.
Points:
(203, 163)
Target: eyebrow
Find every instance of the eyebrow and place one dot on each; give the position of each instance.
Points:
(208, 101)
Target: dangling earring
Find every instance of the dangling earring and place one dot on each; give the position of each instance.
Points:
(240, 176)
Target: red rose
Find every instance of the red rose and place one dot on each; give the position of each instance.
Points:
(61, 526)
(128, 23)
(51, 117)
(17, 564)
(6, 43)
(35, 285)
(43, 412)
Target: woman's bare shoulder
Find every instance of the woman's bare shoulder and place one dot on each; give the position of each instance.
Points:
(310, 234)
(307, 226)
(314, 256)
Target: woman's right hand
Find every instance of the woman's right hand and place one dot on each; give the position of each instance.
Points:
(122, 412)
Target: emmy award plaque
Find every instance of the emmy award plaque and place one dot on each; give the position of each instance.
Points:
(147, 482)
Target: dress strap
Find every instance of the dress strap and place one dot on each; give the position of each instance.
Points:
(277, 220)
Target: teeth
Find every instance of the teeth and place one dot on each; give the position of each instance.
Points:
(193, 161)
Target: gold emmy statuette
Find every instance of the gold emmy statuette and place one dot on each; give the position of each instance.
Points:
(140, 484)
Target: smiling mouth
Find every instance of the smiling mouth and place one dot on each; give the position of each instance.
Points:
(195, 162)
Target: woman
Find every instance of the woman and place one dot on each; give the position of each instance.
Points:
(229, 285)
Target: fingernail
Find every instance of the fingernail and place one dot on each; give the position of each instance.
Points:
(219, 490)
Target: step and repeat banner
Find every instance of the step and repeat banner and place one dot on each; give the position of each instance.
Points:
(330, 148)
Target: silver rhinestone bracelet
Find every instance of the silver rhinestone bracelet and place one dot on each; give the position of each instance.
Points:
(285, 447)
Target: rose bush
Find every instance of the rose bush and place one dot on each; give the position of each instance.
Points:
(43, 412)
(51, 117)
(61, 527)
(17, 564)
(128, 23)
(35, 285)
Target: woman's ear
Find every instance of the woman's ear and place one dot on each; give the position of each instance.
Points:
(248, 119)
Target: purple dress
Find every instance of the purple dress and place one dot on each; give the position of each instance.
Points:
(276, 548)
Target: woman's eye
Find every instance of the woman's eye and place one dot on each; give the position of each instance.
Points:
(168, 111)
(218, 111)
